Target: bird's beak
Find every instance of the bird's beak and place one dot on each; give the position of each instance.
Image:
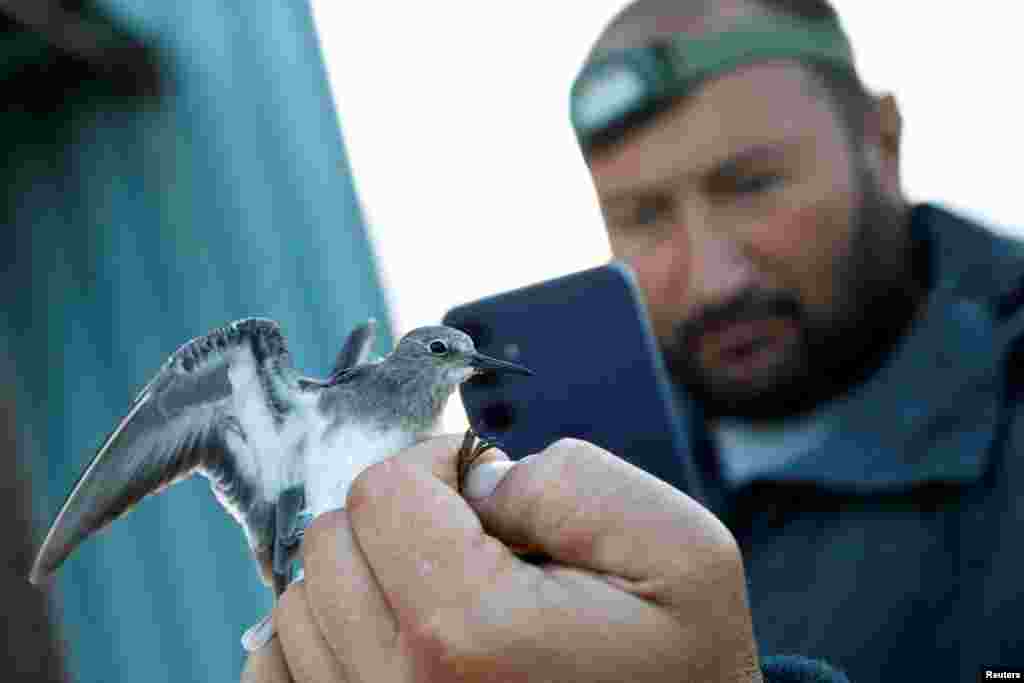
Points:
(487, 364)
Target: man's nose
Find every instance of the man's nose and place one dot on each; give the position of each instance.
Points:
(719, 268)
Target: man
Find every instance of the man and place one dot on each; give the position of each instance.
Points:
(854, 361)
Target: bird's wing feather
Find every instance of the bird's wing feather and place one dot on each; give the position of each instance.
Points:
(180, 423)
(357, 347)
(355, 352)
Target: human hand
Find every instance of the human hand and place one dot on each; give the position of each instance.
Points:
(411, 582)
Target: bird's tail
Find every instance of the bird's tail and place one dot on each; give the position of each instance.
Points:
(262, 632)
(259, 634)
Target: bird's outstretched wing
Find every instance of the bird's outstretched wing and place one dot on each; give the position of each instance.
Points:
(213, 392)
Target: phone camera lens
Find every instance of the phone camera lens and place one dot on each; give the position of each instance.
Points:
(497, 416)
(512, 352)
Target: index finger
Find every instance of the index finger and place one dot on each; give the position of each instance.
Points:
(589, 509)
(425, 545)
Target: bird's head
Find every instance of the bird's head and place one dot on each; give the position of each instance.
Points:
(448, 356)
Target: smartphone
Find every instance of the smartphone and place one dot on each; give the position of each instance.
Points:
(599, 375)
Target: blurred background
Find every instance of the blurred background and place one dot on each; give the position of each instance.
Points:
(456, 124)
(169, 167)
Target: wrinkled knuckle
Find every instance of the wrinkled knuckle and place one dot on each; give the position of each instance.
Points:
(575, 540)
(445, 648)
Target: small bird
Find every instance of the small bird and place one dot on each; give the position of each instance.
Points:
(278, 448)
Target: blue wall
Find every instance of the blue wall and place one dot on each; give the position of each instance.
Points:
(137, 225)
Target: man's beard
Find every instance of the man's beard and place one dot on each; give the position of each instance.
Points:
(835, 350)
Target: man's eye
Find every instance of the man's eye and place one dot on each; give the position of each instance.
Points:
(750, 184)
(648, 211)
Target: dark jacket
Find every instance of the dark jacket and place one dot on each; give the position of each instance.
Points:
(895, 551)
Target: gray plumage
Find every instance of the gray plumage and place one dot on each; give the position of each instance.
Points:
(273, 444)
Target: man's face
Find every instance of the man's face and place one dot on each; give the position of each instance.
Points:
(764, 239)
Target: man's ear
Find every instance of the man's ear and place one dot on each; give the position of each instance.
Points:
(883, 135)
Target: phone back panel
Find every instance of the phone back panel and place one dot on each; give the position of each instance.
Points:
(599, 373)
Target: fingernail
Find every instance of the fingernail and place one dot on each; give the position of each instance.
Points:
(485, 477)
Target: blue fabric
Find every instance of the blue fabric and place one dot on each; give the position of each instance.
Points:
(796, 669)
(137, 225)
(892, 551)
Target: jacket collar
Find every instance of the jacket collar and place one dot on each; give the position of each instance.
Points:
(931, 414)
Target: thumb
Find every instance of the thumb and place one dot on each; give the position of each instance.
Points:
(586, 508)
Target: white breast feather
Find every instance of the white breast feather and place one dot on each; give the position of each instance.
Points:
(333, 464)
(328, 462)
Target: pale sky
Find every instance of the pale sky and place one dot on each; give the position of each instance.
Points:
(455, 119)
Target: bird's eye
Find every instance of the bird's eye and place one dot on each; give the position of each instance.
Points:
(439, 347)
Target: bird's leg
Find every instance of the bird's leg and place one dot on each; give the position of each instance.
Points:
(291, 522)
(472, 448)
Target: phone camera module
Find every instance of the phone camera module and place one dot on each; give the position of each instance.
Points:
(497, 416)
